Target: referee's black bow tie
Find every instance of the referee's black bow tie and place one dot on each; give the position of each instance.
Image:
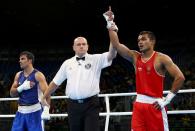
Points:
(80, 58)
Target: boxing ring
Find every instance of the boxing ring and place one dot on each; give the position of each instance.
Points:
(108, 113)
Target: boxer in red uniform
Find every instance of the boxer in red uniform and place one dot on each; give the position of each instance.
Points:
(150, 67)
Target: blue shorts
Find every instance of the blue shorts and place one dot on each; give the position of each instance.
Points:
(28, 122)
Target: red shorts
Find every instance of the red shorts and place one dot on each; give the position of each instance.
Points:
(146, 118)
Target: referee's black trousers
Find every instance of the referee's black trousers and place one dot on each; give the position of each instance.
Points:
(84, 116)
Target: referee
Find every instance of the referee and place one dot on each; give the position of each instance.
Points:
(82, 72)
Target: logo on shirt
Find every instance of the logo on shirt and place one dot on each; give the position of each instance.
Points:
(139, 69)
(88, 66)
(32, 83)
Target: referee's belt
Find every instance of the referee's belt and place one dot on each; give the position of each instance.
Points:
(80, 101)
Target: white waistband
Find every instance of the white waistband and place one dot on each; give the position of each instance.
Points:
(29, 109)
(146, 99)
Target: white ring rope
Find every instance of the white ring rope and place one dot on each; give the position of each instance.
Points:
(108, 113)
(103, 95)
(112, 113)
(107, 105)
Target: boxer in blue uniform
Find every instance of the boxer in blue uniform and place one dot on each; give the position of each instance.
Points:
(29, 85)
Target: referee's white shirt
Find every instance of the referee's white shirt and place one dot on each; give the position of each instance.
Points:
(82, 76)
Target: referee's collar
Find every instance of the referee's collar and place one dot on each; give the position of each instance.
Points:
(85, 55)
(82, 56)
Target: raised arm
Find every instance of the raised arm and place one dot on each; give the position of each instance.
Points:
(121, 48)
(112, 53)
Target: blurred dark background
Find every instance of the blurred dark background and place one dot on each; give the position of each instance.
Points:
(48, 27)
(44, 24)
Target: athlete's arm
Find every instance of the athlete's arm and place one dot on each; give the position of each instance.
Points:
(13, 90)
(124, 51)
(113, 29)
(174, 71)
(42, 84)
(178, 81)
(46, 104)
